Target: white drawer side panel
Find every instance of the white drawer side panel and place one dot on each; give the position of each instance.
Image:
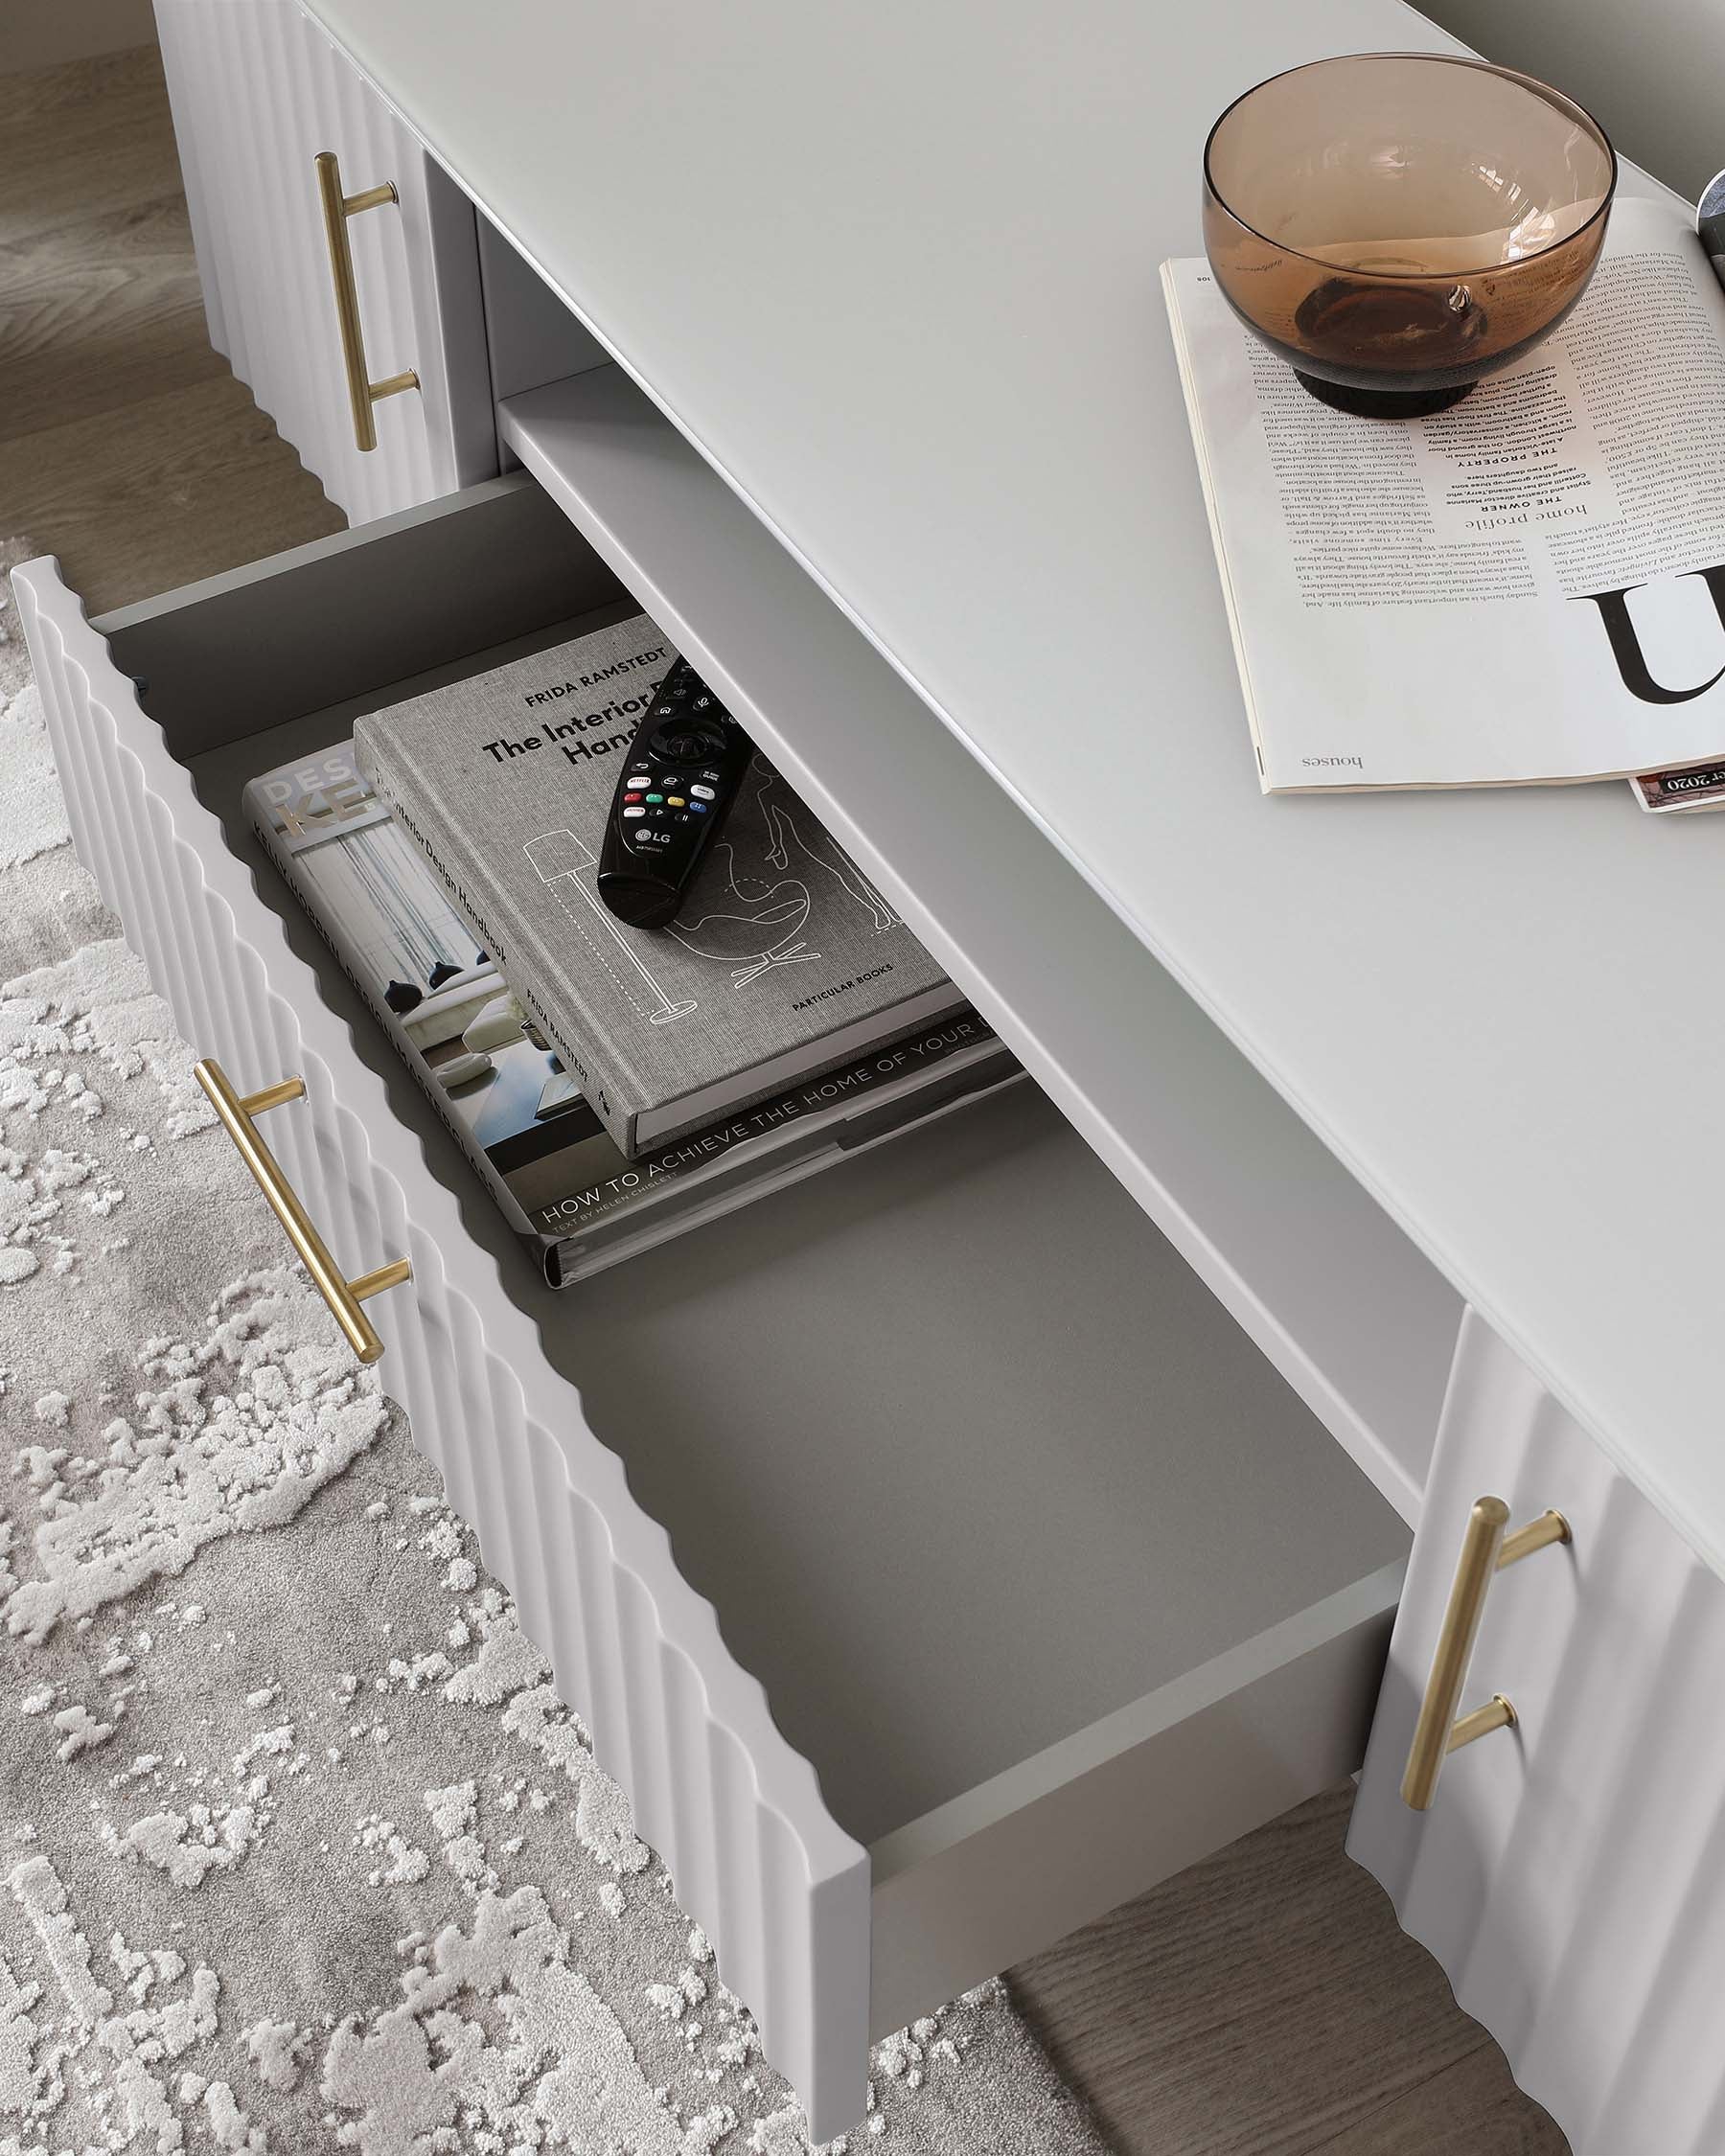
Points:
(736, 1814)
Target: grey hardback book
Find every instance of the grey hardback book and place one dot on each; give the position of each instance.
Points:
(783, 961)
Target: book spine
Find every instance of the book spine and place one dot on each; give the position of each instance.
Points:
(335, 937)
(496, 924)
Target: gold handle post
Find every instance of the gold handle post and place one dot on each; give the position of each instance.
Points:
(362, 392)
(342, 1295)
(1487, 1548)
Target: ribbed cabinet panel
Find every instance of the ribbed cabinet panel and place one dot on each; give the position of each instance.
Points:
(307, 406)
(737, 1814)
(1571, 1873)
(257, 91)
(243, 198)
(185, 100)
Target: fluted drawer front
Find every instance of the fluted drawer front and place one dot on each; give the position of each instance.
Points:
(1570, 1875)
(258, 90)
(736, 1814)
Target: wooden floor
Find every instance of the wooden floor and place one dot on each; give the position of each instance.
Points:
(1262, 2003)
(1265, 2003)
(127, 447)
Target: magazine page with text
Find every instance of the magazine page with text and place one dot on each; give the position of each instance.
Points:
(1528, 586)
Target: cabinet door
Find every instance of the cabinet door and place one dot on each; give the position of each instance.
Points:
(1570, 1872)
(257, 92)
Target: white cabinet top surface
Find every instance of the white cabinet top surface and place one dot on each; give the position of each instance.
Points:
(894, 270)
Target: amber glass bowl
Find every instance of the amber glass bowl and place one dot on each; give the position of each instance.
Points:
(1397, 224)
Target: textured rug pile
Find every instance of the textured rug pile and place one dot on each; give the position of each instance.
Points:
(298, 1848)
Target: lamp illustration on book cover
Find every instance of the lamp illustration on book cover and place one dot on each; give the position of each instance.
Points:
(566, 863)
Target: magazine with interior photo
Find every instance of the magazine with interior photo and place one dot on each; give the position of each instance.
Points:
(1695, 786)
(521, 1118)
(1528, 588)
(784, 960)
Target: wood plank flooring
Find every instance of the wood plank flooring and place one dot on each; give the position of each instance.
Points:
(126, 446)
(1263, 2003)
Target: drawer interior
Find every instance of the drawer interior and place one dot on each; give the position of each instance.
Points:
(966, 1457)
(1358, 1319)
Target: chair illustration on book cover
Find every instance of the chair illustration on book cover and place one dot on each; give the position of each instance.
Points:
(764, 928)
(746, 911)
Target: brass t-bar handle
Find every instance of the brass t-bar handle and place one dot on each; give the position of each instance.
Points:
(342, 1295)
(362, 392)
(1487, 1548)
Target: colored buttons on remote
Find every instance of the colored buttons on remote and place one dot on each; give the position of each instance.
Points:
(680, 775)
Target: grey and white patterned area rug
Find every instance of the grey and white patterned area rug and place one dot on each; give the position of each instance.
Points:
(298, 1848)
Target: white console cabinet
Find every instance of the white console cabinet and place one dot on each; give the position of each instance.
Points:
(1038, 1525)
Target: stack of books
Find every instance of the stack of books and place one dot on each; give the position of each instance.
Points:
(613, 1085)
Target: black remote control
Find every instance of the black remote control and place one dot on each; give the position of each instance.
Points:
(679, 777)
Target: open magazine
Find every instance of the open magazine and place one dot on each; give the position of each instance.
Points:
(1528, 588)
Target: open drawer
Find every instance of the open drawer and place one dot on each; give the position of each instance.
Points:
(934, 1560)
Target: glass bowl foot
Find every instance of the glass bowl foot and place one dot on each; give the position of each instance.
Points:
(1382, 403)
